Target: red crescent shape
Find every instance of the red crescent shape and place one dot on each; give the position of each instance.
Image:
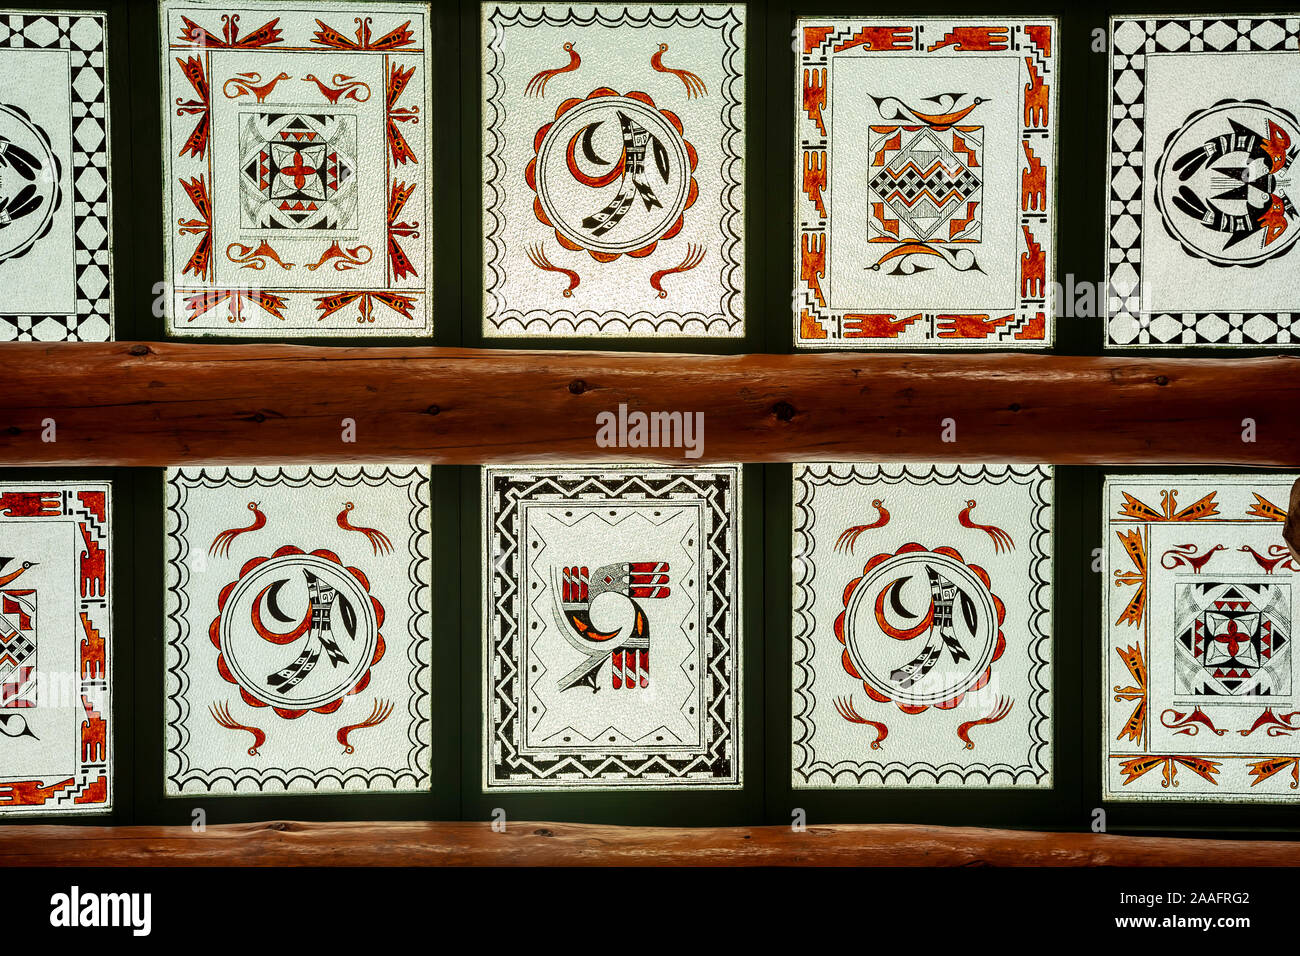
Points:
(595, 182)
(268, 635)
(903, 635)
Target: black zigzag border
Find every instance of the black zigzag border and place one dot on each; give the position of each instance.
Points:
(719, 766)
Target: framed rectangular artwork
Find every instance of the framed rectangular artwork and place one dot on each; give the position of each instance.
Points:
(612, 652)
(1200, 691)
(56, 648)
(1203, 139)
(925, 182)
(613, 170)
(298, 637)
(55, 197)
(297, 169)
(922, 626)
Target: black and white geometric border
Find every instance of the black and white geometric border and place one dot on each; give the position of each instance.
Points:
(719, 764)
(1131, 40)
(83, 36)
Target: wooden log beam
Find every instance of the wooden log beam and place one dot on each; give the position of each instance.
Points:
(152, 404)
(566, 844)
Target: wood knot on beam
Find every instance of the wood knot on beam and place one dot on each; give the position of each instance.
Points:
(783, 411)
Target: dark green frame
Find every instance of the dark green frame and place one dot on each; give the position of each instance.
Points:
(767, 796)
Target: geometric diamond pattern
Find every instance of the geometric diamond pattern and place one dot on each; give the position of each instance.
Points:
(925, 184)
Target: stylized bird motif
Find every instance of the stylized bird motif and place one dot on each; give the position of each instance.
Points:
(938, 621)
(845, 708)
(221, 543)
(537, 85)
(379, 712)
(1272, 154)
(1255, 201)
(1185, 554)
(599, 614)
(850, 535)
(317, 623)
(694, 85)
(1184, 723)
(15, 725)
(999, 712)
(221, 714)
(1277, 554)
(250, 84)
(344, 84)
(945, 101)
(1001, 540)
(632, 166)
(13, 575)
(378, 540)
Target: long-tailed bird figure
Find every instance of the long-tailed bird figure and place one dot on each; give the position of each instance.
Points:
(694, 85)
(317, 625)
(221, 543)
(379, 541)
(537, 85)
(16, 572)
(850, 535)
(1001, 540)
(636, 139)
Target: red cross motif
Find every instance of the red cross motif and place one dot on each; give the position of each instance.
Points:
(299, 171)
(1233, 638)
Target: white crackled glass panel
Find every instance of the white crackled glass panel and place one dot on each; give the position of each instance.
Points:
(1201, 207)
(613, 170)
(1200, 694)
(922, 626)
(612, 645)
(298, 634)
(56, 648)
(55, 209)
(297, 169)
(925, 182)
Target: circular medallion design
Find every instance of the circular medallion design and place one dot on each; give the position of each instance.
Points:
(30, 182)
(1222, 183)
(920, 627)
(298, 631)
(613, 174)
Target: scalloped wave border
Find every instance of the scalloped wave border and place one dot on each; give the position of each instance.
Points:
(1036, 478)
(500, 321)
(419, 770)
